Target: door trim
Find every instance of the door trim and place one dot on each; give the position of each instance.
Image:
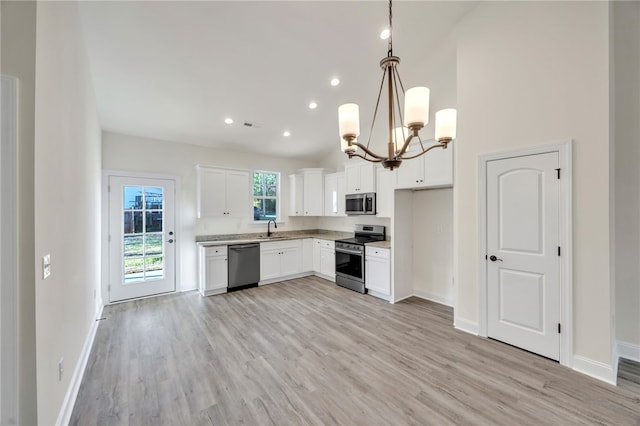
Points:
(564, 150)
(8, 251)
(106, 175)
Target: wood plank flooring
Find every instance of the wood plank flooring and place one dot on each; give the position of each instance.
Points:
(308, 352)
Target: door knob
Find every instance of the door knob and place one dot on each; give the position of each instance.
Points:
(171, 233)
(493, 258)
(170, 241)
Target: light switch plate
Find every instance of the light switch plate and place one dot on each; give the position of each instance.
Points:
(46, 266)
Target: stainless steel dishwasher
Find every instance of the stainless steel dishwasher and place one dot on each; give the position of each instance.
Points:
(244, 266)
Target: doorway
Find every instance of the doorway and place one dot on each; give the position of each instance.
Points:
(142, 238)
(525, 249)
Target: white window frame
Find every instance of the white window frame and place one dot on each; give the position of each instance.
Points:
(278, 196)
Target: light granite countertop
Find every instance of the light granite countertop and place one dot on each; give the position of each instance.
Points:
(380, 244)
(261, 237)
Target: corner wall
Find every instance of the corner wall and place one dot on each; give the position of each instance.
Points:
(18, 59)
(530, 73)
(626, 104)
(67, 205)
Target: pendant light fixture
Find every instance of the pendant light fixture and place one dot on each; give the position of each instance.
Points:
(413, 119)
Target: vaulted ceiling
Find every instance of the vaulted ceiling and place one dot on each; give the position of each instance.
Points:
(175, 70)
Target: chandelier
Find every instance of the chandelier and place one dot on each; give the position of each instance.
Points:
(414, 118)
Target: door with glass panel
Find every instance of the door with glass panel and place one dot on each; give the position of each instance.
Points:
(141, 237)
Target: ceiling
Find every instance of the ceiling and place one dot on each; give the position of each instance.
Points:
(174, 70)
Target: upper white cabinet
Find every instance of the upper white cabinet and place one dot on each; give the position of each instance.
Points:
(386, 180)
(360, 177)
(307, 193)
(296, 191)
(433, 169)
(223, 192)
(334, 192)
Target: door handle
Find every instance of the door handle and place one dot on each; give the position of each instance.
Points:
(493, 258)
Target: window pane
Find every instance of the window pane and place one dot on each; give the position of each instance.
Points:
(153, 198)
(264, 209)
(257, 184)
(154, 221)
(270, 184)
(133, 246)
(153, 267)
(153, 244)
(132, 197)
(132, 222)
(133, 270)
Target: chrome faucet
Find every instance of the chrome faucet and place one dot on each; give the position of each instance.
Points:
(275, 225)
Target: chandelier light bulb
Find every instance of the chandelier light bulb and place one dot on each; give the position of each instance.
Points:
(416, 107)
(446, 124)
(349, 120)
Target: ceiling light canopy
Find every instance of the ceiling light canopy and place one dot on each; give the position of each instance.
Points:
(404, 125)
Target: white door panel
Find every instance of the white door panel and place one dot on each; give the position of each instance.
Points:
(142, 237)
(523, 290)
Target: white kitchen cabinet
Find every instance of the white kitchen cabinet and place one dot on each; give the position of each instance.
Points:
(280, 259)
(334, 192)
(296, 198)
(324, 258)
(213, 270)
(307, 192)
(307, 255)
(223, 192)
(360, 177)
(385, 196)
(431, 170)
(378, 272)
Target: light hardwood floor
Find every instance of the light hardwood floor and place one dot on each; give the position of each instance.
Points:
(308, 352)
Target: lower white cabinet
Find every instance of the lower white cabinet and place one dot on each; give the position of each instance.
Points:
(378, 272)
(213, 270)
(324, 258)
(280, 259)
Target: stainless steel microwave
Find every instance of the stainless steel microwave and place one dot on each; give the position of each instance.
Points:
(356, 204)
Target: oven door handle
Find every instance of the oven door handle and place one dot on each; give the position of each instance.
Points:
(341, 250)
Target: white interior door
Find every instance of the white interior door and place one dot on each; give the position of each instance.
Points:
(523, 290)
(141, 237)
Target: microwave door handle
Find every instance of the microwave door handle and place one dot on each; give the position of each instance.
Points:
(364, 204)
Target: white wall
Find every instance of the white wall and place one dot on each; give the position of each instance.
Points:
(433, 245)
(130, 153)
(67, 201)
(626, 93)
(530, 73)
(18, 59)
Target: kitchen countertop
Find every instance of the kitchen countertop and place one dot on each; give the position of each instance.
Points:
(221, 240)
(380, 244)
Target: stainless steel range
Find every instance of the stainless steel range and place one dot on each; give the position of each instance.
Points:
(350, 256)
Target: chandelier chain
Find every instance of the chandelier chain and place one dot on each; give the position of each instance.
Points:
(390, 43)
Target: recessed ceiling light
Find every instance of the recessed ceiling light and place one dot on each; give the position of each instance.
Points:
(385, 34)
(313, 105)
(228, 120)
(335, 81)
(286, 133)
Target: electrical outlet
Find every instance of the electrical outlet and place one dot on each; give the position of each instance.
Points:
(60, 369)
(46, 266)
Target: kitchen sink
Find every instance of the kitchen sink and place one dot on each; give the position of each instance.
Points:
(264, 237)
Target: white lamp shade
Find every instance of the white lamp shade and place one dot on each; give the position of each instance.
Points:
(416, 106)
(400, 135)
(446, 124)
(349, 119)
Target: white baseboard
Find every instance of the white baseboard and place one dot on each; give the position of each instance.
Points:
(186, 288)
(401, 299)
(379, 295)
(466, 326)
(628, 351)
(596, 369)
(433, 297)
(64, 416)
